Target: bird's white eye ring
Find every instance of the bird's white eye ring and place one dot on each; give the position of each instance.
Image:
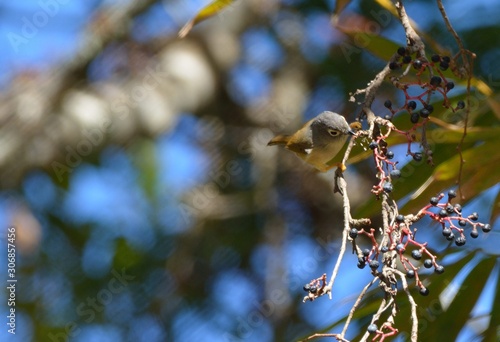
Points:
(333, 132)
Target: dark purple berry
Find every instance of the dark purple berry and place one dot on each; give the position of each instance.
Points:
(435, 81)
(460, 241)
(462, 223)
(424, 113)
(424, 291)
(387, 104)
(450, 209)
(446, 59)
(444, 66)
(372, 328)
(439, 269)
(487, 228)
(306, 287)
(474, 216)
(460, 104)
(452, 194)
(373, 145)
(435, 58)
(401, 51)
(407, 59)
(450, 85)
(458, 208)
(395, 173)
(417, 64)
(389, 154)
(374, 264)
(414, 118)
(384, 249)
(434, 201)
(474, 234)
(400, 248)
(400, 218)
(451, 237)
(447, 231)
(411, 105)
(366, 252)
(417, 156)
(430, 108)
(313, 289)
(388, 187)
(393, 65)
(428, 263)
(443, 213)
(416, 254)
(361, 265)
(353, 233)
(410, 274)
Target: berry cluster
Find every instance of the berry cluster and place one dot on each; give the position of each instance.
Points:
(417, 106)
(315, 288)
(449, 214)
(373, 329)
(386, 168)
(400, 238)
(429, 80)
(434, 81)
(367, 256)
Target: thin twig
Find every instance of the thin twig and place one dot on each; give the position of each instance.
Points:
(345, 232)
(370, 92)
(462, 140)
(413, 40)
(414, 43)
(381, 309)
(342, 185)
(414, 316)
(464, 71)
(355, 306)
(336, 336)
(449, 26)
(389, 208)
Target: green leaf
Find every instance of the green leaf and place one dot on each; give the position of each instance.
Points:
(206, 12)
(429, 308)
(491, 334)
(473, 157)
(380, 47)
(422, 181)
(464, 301)
(495, 211)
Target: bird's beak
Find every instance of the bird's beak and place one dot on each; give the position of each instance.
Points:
(351, 132)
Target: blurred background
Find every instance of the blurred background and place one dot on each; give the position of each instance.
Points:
(148, 207)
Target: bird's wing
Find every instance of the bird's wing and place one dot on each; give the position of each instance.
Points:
(305, 146)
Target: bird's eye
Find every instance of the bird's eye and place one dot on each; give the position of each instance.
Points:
(333, 132)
